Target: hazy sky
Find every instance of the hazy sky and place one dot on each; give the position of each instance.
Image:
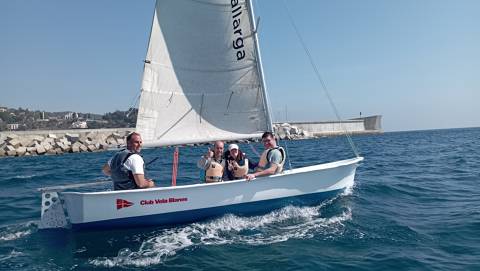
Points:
(416, 62)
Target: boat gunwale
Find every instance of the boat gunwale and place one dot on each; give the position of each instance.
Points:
(328, 165)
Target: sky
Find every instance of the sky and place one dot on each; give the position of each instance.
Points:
(415, 62)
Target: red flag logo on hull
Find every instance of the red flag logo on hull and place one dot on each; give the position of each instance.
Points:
(121, 203)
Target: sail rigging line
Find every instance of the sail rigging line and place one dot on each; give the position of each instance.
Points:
(254, 150)
(286, 154)
(257, 7)
(229, 100)
(133, 105)
(175, 124)
(151, 161)
(319, 77)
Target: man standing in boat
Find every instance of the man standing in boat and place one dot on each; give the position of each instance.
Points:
(213, 162)
(126, 167)
(271, 160)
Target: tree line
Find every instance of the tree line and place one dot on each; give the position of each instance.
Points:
(25, 119)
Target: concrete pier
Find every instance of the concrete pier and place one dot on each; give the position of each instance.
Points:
(366, 125)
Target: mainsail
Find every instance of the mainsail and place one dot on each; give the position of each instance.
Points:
(202, 78)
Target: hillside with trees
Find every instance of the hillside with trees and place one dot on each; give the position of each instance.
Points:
(24, 119)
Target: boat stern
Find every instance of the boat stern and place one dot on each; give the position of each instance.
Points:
(53, 214)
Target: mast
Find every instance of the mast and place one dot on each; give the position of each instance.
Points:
(259, 65)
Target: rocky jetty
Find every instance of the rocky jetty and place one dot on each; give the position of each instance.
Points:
(74, 141)
(288, 131)
(26, 143)
(59, 143)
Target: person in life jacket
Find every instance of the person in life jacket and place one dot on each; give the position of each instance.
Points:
(213, 162)
(237, 163)
(271, 160)
(126, 167)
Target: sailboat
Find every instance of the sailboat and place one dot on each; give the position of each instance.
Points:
(203, 81)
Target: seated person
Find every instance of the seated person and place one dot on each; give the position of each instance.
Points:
(213, 162)
(271, 160)
(237, 163)
(126, 167)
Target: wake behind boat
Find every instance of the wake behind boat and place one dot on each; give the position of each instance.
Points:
(203, 81)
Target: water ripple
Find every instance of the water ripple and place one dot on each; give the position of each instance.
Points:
(415, 205)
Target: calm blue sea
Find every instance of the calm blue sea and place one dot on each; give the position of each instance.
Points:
(415, 206)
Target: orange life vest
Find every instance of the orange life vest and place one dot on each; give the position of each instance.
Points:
(264, 160)
(214, 172)
(238, 171)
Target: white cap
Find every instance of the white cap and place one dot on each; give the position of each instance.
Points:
(232, 146)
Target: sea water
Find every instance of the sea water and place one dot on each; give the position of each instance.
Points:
(415, 205)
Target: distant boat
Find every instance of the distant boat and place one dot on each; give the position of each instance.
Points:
(203, 81)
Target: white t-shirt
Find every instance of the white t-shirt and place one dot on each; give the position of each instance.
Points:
(134, 163)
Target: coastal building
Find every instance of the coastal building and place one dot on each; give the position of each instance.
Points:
(68, 116)
(3, 109)
(12, 126)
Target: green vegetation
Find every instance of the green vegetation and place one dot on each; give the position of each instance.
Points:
(41, 120)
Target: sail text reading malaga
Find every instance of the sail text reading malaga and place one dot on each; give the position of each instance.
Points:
(237, 30)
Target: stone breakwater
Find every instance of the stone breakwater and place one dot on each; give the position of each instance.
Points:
(72, 141)
(63, 141)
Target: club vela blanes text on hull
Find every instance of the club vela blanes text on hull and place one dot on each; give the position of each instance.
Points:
(162, 201)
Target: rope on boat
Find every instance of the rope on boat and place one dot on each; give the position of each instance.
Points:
(286, 155)
(317, 73)
(151, 161)
(254, 150)
(133, 105)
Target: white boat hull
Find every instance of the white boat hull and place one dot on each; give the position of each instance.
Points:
(182, 204)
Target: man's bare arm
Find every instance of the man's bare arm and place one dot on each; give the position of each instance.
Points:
(107, 170)
(142, 182)
(269, 171)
